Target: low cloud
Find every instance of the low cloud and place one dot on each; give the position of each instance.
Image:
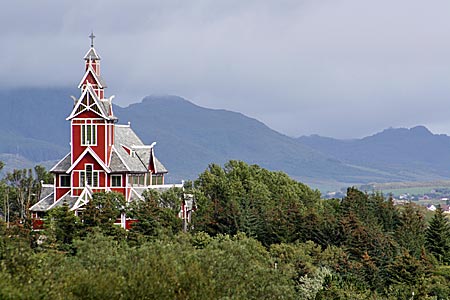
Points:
(338, 68)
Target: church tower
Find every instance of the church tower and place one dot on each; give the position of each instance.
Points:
(92, 128)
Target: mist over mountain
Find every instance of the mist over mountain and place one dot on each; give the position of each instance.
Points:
(33, 129)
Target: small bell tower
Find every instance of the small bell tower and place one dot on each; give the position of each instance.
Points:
(92, 71)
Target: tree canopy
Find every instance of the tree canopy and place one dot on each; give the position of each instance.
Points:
(255, 234)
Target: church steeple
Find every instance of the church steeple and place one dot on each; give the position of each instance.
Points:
(92, 118)
(92, 74)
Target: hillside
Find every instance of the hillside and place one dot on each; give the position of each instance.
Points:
(33, 127)
(33, 130)
(190, 137)
(413, 154)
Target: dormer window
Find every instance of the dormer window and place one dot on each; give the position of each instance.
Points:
(64, 180)
(88, 135)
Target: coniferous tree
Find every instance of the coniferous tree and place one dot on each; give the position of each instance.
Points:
(102, 211)
(157, 212)
(62, 227)
(410, 233)
(438, 237)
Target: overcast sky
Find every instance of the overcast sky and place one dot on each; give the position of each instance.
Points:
(341, 68)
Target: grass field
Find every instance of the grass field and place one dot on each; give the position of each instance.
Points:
(412, 188)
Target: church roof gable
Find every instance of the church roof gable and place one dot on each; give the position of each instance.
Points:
(100, 107)
(98, 78)
(92, 54)
(159, 167)
(94, 155)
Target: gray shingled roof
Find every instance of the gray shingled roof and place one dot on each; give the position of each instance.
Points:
(67, 198)
(139, 162)
(63, 165)
(106, 106)
(135, 191)
(44, 203)
(159, 166)
(101, 81)
(46, 189)
(141, 189)
(116, 164)
(125, 136)
(47, 199)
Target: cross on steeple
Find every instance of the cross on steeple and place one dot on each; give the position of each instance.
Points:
(92, 37)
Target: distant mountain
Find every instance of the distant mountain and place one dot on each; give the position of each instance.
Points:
(410, 154)
(33, 129)
(190, 137)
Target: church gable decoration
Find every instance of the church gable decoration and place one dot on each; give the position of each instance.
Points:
(89, 101)
(94, 156)
(91, 77)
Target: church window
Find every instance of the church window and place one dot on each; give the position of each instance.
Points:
(89, 176)
(82, 178)
(137, 180)
(157, 179)
(88, 135)
(95, 178)
(64, 180)
(116, 180)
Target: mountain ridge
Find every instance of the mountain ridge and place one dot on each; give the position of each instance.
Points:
(33, 128)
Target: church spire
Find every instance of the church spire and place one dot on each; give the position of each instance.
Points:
(92, 71)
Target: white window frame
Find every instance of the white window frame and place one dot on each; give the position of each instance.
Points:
(95, 177)
(91, 130)
(115, 176)
(60, 181)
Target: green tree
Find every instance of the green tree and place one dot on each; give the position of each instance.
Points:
(157, 212)
(21, 190)
(102, 211)
(410, 234)
(62, 227)
(407, 274)
(42, 177)
(437, 237)
(246, 198)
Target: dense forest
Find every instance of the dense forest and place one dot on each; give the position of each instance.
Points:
(255, 234)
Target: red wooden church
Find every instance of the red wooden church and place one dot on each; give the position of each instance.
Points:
(104, 155)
